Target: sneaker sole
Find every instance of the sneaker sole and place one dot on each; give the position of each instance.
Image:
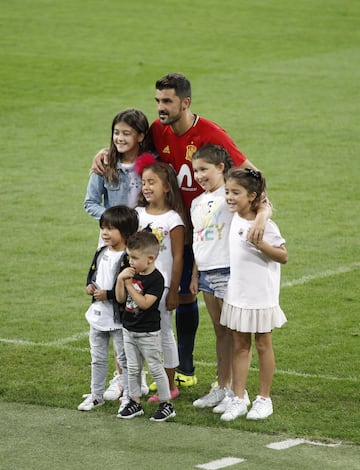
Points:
(138, 413)
(90, 409)
(198, 404)
(219, 410)
(232, 418)
(258, 418)
(210, 405)
(162, 419)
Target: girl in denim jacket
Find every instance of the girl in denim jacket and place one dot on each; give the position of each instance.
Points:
(119, 184)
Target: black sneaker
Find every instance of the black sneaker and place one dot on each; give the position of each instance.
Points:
(131, 410)
(164, 412)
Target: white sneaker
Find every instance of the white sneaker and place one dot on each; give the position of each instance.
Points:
(235, 408)
(144, 385)
(261, 408)
(221, 407)
(115, 389)
(90, 403)
(213, 398)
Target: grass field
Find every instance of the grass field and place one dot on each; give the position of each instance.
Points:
(282, 78)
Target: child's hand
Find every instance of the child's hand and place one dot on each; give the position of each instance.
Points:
(194, 285)
(172, 300)
(100, 295)
(90, 289)
(127, 273)
(99, 162)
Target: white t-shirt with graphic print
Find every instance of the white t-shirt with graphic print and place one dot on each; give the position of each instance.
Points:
(161, 226)
(211, 220)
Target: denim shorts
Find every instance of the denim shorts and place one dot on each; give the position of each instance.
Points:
(214, 281)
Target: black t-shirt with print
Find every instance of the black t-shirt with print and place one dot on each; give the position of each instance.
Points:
(136, 319)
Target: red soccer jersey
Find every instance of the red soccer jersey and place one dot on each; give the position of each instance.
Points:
(179, 149)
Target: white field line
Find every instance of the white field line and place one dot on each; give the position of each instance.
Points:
(288, 443)
(292, 373)
(65, 343)
(221, 463)
(327, 273)
(313, 277)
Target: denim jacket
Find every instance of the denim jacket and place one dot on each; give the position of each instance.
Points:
(101, 194)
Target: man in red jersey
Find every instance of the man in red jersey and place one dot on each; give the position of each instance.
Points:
(176, 135)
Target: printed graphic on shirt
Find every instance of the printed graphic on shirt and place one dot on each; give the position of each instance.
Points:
(131, 306)
(206, 221)
(160, 233)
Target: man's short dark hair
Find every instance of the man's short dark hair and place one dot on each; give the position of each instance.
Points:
(176, 81)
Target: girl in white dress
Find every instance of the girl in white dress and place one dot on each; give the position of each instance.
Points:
(251, 304)
(211, 220)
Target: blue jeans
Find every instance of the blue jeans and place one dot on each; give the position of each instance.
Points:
(99, 346)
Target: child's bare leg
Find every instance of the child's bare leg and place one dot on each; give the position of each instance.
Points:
(171, 376)
(240, 361)
(266, 362)
(223, 340)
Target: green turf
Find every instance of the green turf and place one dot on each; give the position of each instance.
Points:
(56, 438)
(282, 78)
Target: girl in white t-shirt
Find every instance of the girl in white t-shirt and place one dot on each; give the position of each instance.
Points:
(251, 304)
(161, 211)
(211, 218)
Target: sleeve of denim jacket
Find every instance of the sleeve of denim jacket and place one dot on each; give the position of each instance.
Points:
(93, 203)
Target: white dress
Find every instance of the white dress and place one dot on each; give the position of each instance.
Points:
(251, 303)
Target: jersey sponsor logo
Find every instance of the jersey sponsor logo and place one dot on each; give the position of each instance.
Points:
(166, 149)
(190, 150)
(184, 177)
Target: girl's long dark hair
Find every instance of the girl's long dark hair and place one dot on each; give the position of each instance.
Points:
(138, 121)
(173, 197)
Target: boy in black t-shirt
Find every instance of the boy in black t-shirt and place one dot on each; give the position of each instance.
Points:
(141, 286)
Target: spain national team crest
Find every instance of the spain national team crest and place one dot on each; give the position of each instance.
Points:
(190, 150)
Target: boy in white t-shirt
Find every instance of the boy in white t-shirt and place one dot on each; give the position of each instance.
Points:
(117, 224)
